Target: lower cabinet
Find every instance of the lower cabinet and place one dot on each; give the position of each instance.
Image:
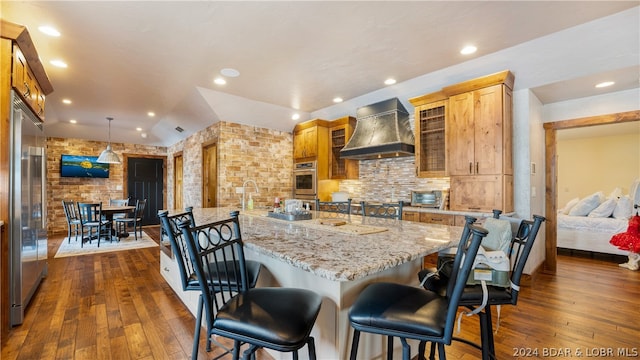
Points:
(433, 218)
(171, 274)
(481, 193)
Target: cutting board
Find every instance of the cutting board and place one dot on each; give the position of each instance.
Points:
(332, 222)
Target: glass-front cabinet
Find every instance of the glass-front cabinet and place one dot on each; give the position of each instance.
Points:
(339, 134)
(430, 120)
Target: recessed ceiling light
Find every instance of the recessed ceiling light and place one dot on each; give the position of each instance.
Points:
(138, 129)
(144, 135)
(469, 49)
(295, 116)
(230, 72)
(337, 100)
(151, 114)
(390, 81)
(73, 121)
(58, 63)
(220, 81)
(605, 84)
(66, 101)
(49, 30)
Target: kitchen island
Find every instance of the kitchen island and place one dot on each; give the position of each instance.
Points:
(336, 262)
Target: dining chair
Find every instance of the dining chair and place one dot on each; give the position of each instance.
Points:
(134, 219)
(472, 295)
(279, 319)
(188, 277)
(73, 220)
(338, 207)
(382, 210)
(118, 202)
(91, 218)
(409, 312)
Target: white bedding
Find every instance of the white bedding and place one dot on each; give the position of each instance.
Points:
(589, 234)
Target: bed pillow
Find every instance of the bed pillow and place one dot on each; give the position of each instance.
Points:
(605, 209)
(565, 210)
(615, 194)
(499, 236)
(586, 205)
(623, 209)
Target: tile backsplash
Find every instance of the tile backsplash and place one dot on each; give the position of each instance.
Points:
(390, 179)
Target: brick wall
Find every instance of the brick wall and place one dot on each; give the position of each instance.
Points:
(244, 152)
(85, 189)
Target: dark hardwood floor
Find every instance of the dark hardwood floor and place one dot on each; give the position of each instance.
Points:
(118, 306)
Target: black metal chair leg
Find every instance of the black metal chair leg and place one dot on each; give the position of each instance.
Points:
(432, 353)
(389, 347)
(406, 349)
(354, 344)
(236, 349)
(312, 348)
(491, 352)
(441, 354)
(196, 331)
(421, 348)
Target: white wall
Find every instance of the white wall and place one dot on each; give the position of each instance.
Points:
(628, 100)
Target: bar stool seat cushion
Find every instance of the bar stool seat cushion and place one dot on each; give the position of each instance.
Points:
(280, 317)
(400, 310)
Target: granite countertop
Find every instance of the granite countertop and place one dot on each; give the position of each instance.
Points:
(362, 247)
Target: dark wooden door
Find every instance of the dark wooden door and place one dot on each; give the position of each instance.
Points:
(145, 180)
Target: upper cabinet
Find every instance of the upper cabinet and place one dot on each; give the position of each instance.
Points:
(305, 143)
(339, 134)
(26, 84)
(311, 143)
(21, 64)
(479, 134)
(479, 143)
(430, 120)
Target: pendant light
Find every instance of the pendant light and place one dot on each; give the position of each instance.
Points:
(108, 156)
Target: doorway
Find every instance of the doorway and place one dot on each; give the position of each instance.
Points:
(177, 180)
(209, 175)
(145, 180)
(551, 174)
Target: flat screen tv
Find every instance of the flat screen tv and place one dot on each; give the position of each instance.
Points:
(82, 166)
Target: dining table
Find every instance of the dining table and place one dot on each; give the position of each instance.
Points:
(109, 211)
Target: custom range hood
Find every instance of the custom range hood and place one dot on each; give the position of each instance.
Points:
(382, 130)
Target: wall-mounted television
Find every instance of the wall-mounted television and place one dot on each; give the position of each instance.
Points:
(83, 166)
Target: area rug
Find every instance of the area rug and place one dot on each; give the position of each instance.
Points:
(73, 248)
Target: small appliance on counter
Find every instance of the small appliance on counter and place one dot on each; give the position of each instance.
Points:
(435, 199)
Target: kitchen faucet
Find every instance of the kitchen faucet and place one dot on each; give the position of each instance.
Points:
(244, 185)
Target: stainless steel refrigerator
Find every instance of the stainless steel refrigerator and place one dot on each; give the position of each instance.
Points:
(27, 207)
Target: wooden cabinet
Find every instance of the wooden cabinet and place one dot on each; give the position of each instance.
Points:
(339, 134)
(411, 216)
(479, 134)
(433, 218)
(479, 143)
(25, 83)
(311, 143)
(430, 120)
(305, 143)
(482, 193)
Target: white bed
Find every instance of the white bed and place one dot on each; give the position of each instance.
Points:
(589, 234)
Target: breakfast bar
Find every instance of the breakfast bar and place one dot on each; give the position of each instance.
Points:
(336, 262)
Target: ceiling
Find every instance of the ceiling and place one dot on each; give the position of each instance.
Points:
(127, 58)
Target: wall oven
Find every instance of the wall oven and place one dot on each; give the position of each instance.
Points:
(305, 181)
